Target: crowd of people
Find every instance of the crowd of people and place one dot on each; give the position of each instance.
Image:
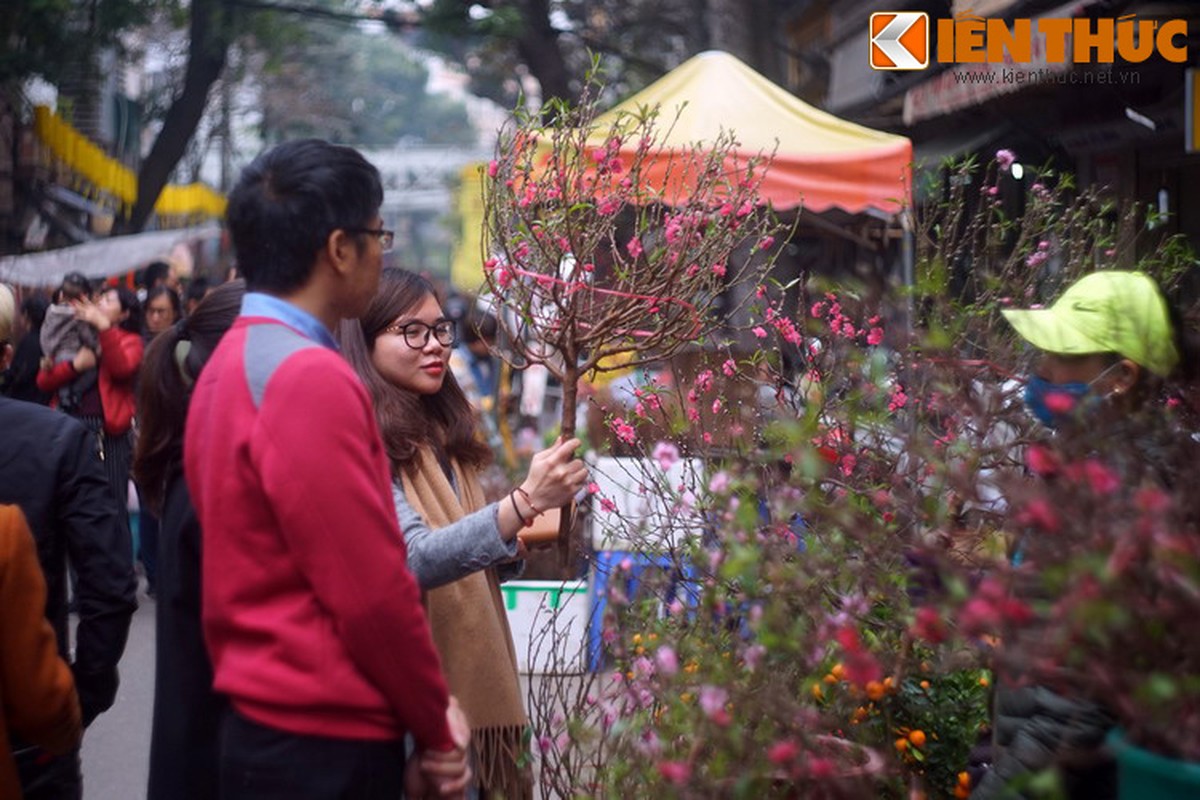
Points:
(310, 515)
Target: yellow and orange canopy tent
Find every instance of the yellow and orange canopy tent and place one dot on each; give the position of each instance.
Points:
(820, 161)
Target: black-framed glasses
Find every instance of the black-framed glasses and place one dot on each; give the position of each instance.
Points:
(416, 334)
(386, 238)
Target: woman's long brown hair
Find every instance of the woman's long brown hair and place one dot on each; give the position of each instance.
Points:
(165, 387)
(443, 420)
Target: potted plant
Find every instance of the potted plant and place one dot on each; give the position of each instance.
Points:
(831, 625)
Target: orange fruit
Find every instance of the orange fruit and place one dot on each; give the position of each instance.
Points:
(902, 744)
(917, 737)
(875, 690)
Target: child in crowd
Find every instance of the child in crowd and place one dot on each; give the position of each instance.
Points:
(64, 335)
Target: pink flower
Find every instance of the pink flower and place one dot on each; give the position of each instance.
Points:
(729, 367)
(1151, 500)
(588, 267)
(759, 331)
(634, 247)
(1036, 258)
(718, 270)
(818, 309)
(693, 414)
(493, 168)
(1038, 513)
(992, 191)
(608, 206)
(1005, 159)
(593, 488)
(929, 626)
(716, 406)
(666, 454)
(1043, 245)
(1040, 460)
(676, 772)
(1102, 479)
(766, 243)
(849, 461)
(667, 661)
(623, 430)
(752, 656)
(783, 752)
(875, 336)
(1059, 402)
(719, 482)
(712, 703)
(608, 506)
(704, 381)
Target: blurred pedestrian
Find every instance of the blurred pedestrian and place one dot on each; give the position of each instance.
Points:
(107, 409)
(40, 704)
(26, 361)
(312, 620)
(187, 712)
(49, 466)
(163, 309)
(63, 335)
(1106, 348)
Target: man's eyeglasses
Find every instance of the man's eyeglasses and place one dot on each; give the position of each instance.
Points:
(416, 334)
(386, 238)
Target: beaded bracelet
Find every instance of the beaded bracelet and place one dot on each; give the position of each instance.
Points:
(524, 522)
(537, 512)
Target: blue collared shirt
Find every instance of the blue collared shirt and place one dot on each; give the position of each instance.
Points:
(257, 304)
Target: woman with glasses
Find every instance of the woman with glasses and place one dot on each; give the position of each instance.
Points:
(400, 348)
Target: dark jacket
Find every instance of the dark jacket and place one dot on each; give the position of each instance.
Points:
(50, 468)
(22, 373)
(1035, 729)
(187, 712)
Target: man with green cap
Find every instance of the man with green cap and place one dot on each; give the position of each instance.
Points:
(1109, 335)
(1105, 346)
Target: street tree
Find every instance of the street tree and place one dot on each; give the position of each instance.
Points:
(553, 40)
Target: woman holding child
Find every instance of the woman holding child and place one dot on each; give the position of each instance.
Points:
(400, 348)
(106, 408)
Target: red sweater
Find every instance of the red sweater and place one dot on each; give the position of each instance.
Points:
(312, 619)
(120, 356)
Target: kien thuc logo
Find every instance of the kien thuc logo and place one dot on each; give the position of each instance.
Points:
(899, 40)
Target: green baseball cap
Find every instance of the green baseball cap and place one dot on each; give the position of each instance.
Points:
(1104, 312)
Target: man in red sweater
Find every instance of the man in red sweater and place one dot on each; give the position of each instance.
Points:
(312, 619)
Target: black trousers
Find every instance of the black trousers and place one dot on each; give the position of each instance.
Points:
(47, 777)
(261, 763)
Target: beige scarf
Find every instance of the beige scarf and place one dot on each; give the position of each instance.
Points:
(470, 629)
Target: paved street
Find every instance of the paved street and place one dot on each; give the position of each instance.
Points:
(116, 748)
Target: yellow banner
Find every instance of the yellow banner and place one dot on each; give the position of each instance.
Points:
(107, 175)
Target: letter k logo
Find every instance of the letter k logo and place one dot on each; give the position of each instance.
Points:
(899, 40)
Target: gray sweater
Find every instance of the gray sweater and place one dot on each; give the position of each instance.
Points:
(441, 556)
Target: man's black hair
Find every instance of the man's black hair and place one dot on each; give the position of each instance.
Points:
(288, 201)
(155, 273)
(196, 289)
(35, 306)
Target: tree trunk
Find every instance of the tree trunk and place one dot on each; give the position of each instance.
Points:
(539, 48)
(731, 28)
(570, 401)
(211, 27)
